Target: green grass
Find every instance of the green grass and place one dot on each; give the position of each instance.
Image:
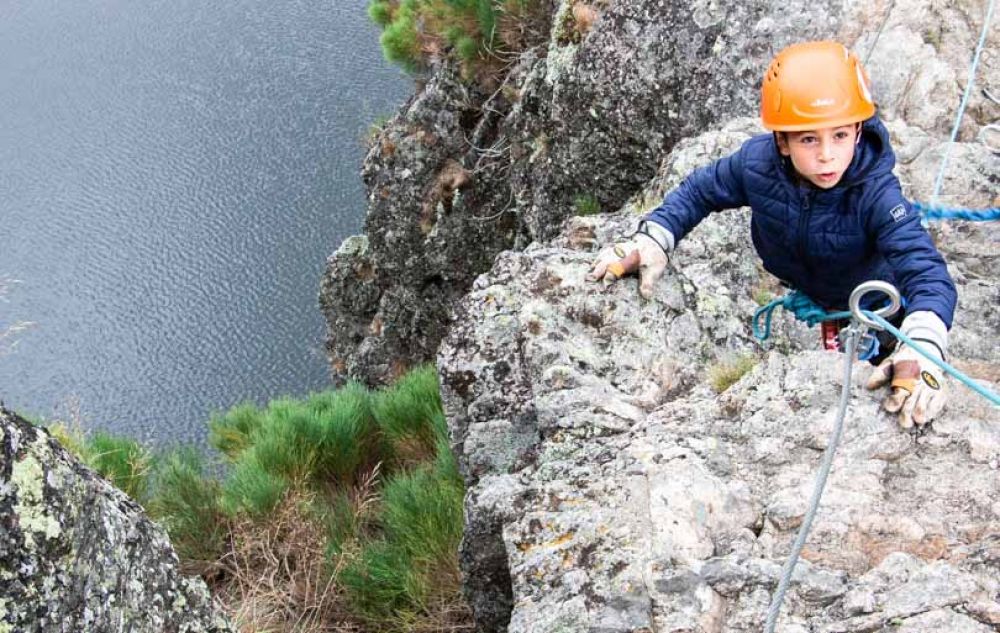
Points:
(231, 432)
(186, 502)
(396, 576)
(123, 462)
(586, 204)
(410, 415)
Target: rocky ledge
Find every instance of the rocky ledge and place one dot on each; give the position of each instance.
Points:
(76, 554)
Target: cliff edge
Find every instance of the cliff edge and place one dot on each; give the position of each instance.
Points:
(76, 554)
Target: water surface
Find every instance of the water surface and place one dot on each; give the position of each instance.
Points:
(173, 176)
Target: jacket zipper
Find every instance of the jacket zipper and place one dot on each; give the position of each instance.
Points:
(803, 227)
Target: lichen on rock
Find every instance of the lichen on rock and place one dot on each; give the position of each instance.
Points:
(76, 554)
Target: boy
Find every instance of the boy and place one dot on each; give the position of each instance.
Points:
(827, 213)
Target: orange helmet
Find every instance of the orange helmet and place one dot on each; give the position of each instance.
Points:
(814, 85)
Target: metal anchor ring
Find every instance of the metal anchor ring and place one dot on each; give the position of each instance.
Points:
(885, 288)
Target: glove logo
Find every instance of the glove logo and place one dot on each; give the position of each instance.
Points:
(898, 212)
(930, 380)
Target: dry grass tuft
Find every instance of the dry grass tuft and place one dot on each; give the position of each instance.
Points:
(278, 578)
(726, 373)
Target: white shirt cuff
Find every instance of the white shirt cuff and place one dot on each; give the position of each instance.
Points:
(924, 324)
(660, 235)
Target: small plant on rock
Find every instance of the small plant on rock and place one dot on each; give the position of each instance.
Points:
(586, 204)
(480, 34)
(726, 373)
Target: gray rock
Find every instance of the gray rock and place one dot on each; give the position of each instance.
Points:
(643, 499)
(76, 554)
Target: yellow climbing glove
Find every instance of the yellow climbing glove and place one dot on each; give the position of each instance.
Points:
(640, 253)
(918, 389)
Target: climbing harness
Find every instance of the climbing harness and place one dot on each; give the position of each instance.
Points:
(861, 321)
(808, 311)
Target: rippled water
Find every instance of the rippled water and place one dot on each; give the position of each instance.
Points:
(173, 176)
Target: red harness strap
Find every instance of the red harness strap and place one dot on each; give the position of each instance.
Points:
(830, 333)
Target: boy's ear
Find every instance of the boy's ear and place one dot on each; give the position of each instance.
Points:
(782, 140)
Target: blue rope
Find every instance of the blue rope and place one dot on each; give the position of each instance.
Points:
(965, 100)
(944, 213)
(968, 382)
(809, 312)
(799, 304)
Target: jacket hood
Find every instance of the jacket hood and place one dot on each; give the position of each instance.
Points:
(873, 156)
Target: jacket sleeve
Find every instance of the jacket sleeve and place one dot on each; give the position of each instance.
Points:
(711, 188)
(919, 268)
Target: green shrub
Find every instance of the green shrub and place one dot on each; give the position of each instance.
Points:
(232, 432)
(186, 503)
(423, 513)
(380, 12)
(383, 582)
(445, 465)
(486, 16)
(400, 42)
(421, 519)
(467, 48)
(328, 438)
(410, 415)
(412, 30)
(348, 436)
(340, 519)
(252, 488)
(123, 462)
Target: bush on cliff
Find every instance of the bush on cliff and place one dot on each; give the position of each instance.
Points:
(477, 33)
(343, 509)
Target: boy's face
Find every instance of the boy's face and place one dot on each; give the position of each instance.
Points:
(820, 156)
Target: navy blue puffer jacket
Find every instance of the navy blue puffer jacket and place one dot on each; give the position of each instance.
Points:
(822, 242)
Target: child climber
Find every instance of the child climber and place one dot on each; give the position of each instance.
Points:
(827, 213)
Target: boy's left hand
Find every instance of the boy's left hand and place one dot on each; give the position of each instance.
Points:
(640, 254)
(918, 390)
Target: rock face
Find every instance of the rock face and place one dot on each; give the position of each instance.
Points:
(610, 489)
(461, 174)
(76, 554)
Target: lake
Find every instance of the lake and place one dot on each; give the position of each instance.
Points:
(173, 176)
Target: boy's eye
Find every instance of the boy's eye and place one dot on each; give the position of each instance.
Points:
(807, 139)
(841, 135)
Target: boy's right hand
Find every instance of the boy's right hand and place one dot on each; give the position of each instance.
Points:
(641, 253)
